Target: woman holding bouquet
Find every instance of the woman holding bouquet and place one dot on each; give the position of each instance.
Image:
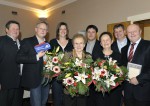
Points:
(62, 40)
(113, 98)
(77, 53)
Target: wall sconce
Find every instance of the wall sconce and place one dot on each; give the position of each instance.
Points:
(42, 19)
(42, 15)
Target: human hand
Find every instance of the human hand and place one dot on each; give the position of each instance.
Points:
(41, 54)
(123, 93)
(103, 90)
(46, 76)
(134, 81)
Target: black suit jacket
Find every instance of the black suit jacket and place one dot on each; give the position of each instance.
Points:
(115, 46)
(97, 49)
(9, 69)
(142, 57)
(32, 69)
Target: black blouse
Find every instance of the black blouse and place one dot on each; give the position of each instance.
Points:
(114, 56)
(54, 44)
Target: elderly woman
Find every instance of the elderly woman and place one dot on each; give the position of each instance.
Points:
(114, 97)
(78, 42)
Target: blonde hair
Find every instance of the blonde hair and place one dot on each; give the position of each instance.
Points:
(79, 36)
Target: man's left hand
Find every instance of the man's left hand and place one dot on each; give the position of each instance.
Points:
(134, 81)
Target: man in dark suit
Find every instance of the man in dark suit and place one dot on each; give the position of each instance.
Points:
(33, 66)
(120, 36)
(93, 45)
(10, 91)
(121, 41)
(137, 89)
(94, 48)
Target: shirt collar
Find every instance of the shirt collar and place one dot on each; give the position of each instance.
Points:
(93, 41)
(137, 42)
(39, 40)
(123, 41)
(12, 38)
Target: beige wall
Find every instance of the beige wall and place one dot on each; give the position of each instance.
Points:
(78, 15)
(99, 12)
(27, 20)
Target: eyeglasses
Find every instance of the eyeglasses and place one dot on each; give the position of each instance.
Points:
(42, 29)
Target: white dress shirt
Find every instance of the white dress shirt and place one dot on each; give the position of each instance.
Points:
(90, 46)
(122, 43)
(135, 46)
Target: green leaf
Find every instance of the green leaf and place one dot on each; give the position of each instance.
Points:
(82, 89)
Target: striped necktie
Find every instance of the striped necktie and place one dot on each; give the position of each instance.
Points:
(131, 52)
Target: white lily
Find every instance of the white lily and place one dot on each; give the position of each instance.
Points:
(49, 65)
(96, 73)
(81, 77)
(60, 56)
(78, 62)
(112, 62)
(111, 81)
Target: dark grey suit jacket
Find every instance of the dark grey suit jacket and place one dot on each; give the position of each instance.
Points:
(115, 47)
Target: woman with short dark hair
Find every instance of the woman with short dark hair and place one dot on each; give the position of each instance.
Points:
(113, 98)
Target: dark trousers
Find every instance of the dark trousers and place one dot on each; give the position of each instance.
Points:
(11, 97)
(57, 92)
(114, 97)
(91, 98)
(74, 101)
(134, 102)
(95, 98)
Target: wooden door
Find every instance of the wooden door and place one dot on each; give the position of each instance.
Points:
(144, 24)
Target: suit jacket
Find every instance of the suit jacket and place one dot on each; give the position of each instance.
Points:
(96, 50)
(9, 69)
(142, 57)
(115, 46)
(32, 69)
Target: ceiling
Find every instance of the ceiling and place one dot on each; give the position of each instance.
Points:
(36, 4)
(40, 4)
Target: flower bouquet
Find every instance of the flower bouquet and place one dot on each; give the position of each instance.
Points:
(107, 75)
(52, 64)
(76, 76)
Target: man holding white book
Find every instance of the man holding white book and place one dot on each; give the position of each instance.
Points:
(137, 57)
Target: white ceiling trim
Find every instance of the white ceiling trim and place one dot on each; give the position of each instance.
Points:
(66, 2)
(16, 5)
(19, 6)
(139, 17)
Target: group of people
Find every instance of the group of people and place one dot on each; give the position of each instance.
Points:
(21, 66)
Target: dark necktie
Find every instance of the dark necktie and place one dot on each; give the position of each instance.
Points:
(16, 46)
(131, 52)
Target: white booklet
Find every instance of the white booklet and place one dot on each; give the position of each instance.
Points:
(134, 70)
